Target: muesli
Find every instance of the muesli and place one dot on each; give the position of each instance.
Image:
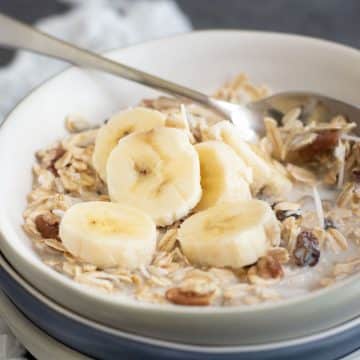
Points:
(174, 207)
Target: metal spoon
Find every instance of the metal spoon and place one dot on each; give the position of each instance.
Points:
(248, 118)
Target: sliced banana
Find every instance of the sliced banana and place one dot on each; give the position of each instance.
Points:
(230, 135)
(157, 171)
(120, 125)
(278, 184)
(107, 234)
(230, 234)
(224, 176)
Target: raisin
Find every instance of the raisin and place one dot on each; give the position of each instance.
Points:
(325, 141)
(283, 214)
(307, 250)
(48, 226)
(356, 175)
(329, 223)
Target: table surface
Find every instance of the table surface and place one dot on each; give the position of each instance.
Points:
(336, 20)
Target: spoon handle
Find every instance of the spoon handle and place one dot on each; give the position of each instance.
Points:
(15, 34)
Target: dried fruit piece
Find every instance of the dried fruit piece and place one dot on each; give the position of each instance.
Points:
(47, 225)
(325, 140)
(284, 210)
(356, 175)
(329, 223)
(307, 249)
(191, 298)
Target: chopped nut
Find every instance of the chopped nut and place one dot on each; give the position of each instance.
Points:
(356, 175)
(267, 270)
(269, 267)
(280, 254)
(284, 205)
(284, 210)
(283, 214)
(56, 154)
(47, 225)
(307, 250)
(180, 297)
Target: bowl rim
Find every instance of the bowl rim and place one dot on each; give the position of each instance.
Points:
(7, 231)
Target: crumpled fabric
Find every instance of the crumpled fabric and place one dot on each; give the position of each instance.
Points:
(93, 24)
(10, 348)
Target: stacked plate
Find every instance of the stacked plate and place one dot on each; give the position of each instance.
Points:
(321, 325)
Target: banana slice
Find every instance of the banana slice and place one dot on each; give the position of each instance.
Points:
(107, 234)
(120, 125)
(224, 176)
(157, 171)
(278, 184)
(230, 135)
(230, 234)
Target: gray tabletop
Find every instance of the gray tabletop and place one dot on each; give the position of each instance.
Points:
(337, 20)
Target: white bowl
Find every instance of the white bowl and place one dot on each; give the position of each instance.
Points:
(202, 60)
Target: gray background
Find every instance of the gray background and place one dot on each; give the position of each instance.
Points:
(337, 20)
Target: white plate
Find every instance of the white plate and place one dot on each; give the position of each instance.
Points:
(202, 60)
(35, 340)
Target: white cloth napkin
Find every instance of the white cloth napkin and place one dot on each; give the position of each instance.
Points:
(93, 24)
